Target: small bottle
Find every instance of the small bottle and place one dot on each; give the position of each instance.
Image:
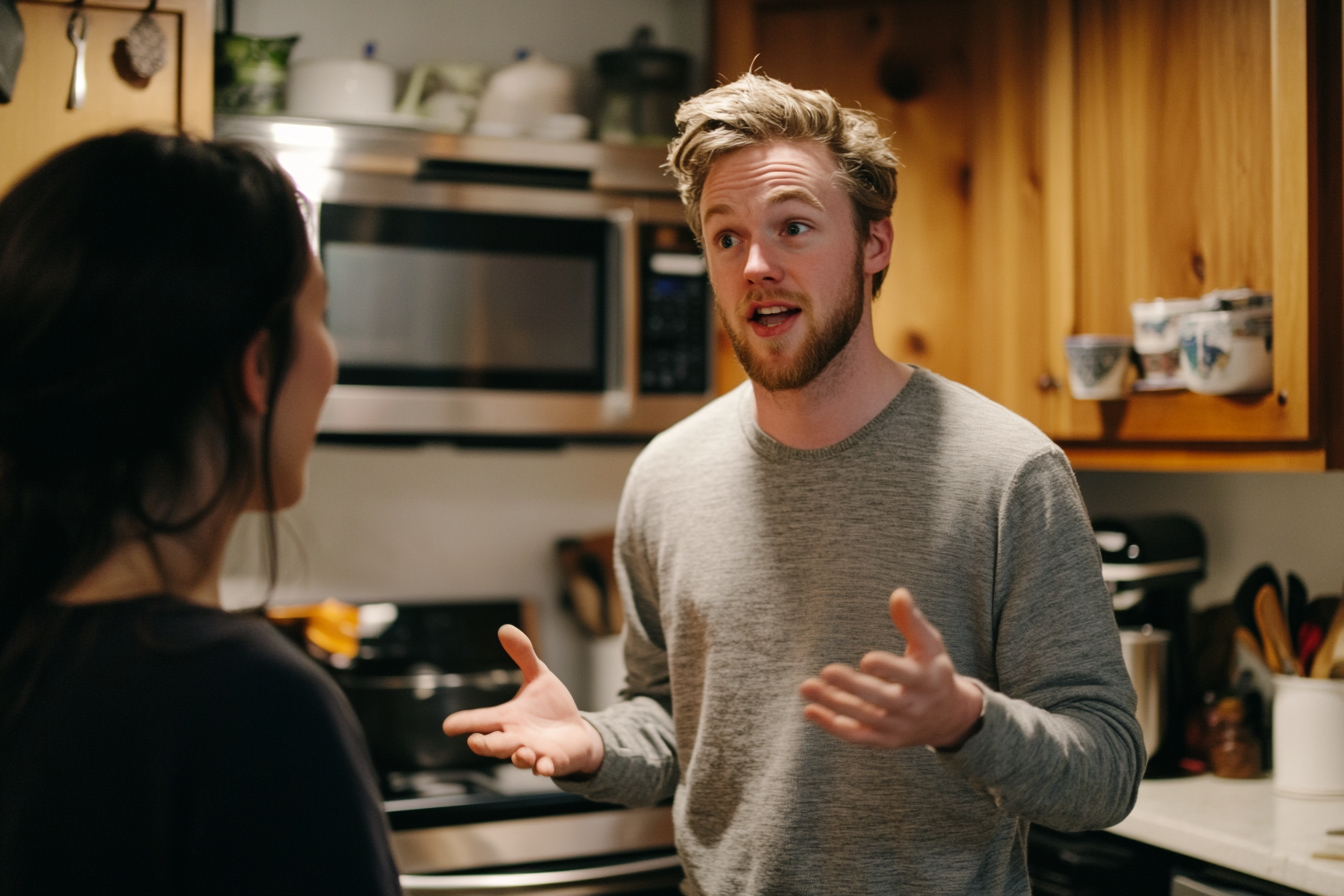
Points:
(1234, 750)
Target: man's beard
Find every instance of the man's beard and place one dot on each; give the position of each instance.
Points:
(820, 347)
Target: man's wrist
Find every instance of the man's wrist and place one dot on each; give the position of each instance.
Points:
(975, 726)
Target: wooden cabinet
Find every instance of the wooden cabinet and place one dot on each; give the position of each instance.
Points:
(1065, 158)
(36, 122)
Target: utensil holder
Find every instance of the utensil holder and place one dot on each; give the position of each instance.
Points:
(1308, 736)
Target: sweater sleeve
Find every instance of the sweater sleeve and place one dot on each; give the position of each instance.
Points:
(1060, 744)
(639, 767)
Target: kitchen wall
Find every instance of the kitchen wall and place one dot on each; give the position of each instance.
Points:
(1293, 520)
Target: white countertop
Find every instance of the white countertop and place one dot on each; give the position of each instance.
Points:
(1243, 825)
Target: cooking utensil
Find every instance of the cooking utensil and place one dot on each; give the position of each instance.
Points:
(590, 582)
(77, 30)
(1274, 637)
(1329, 662)
(1248, 640)
(1244, 600)
(1295, 608)
(11, 48)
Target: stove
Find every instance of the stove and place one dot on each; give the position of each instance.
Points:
(503, 830)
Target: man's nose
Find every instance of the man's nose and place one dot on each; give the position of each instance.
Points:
(761, 265)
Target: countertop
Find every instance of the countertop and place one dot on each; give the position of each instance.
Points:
(1245, 826)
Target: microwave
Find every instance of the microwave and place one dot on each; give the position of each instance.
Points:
(484, 288)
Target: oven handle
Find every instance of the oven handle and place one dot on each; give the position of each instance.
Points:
(447, 883)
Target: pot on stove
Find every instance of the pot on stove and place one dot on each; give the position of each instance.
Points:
(419, 663)
(403, 715)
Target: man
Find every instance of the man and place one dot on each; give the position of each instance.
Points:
(818, 732)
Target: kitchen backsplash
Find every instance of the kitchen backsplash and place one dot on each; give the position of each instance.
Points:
(440, 522)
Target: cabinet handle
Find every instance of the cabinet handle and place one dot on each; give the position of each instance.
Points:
(1046, 382)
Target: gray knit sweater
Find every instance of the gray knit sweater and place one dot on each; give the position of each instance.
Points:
(748, 565)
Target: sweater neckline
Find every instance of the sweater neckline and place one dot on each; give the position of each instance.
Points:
(772, 449)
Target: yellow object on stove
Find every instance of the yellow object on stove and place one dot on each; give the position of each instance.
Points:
(331, 626)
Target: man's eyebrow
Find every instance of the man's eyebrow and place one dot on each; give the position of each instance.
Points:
(775, 197)
(721, 209)
(798, 194)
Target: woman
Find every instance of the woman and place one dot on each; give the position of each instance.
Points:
(163, 359)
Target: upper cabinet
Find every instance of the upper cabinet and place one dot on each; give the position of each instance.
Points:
(1063, 159)
(37, 121)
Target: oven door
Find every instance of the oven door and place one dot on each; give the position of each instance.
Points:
(656, 873)
(547, 843)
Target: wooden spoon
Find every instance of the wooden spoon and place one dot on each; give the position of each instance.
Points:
(1278, 644)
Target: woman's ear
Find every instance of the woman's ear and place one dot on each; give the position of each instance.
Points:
(257, 372)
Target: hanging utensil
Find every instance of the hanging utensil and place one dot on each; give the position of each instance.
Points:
(77, 30)
(11, 48)
(146, 47)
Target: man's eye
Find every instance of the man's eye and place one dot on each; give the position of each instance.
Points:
(796, 228)
(727, 241)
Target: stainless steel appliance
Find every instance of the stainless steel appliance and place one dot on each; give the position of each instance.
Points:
(1150, 564)
(478, 833)
(462, 824)
(484, 287)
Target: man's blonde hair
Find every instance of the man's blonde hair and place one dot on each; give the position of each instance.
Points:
(756, 109)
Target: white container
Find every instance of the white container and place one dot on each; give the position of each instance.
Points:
(1097, 365)
(357, 90)
(1228, 352)
(1308, 736)
(521, 96)
(1157, 338)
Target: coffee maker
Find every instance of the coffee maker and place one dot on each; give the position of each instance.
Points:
(1150, 564)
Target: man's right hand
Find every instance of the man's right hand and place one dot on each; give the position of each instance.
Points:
(540, 728)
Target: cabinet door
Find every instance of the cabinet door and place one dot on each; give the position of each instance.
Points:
(1188, 126)
(36, 122)
(1063, 159)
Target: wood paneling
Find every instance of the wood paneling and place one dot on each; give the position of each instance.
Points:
(36, 123)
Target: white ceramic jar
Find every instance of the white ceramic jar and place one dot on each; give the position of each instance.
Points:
(358, 90)
(520, 97)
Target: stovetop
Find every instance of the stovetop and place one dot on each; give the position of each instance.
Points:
(425, 799)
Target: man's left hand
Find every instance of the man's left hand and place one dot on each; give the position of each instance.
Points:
(897, 701)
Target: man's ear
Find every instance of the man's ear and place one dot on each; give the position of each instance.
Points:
(877, 249)
(257, 372)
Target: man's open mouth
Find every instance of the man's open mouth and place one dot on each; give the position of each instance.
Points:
(773, 315)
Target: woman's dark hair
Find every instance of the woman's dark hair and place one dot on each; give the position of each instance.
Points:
(135, 269)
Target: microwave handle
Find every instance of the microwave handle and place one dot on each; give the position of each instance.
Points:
(618, 401)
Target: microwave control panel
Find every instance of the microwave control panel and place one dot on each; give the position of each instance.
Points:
(674, 313)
